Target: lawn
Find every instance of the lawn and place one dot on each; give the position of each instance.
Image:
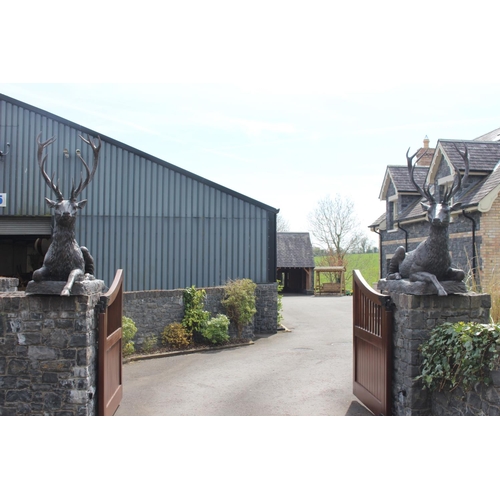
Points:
(367, 263)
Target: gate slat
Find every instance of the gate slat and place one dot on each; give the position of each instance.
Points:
(372, 347)
(110, 386)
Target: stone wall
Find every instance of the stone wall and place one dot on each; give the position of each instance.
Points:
(48, 354)
(414, 318)
(481, 401)
(153, 310)
(8, 285)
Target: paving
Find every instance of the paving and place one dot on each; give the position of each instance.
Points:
(304, 371)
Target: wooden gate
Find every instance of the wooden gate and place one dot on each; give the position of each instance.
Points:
(372, 349)
(109, 386)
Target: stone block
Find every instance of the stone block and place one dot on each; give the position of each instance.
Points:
(50, 378)
(39, 353)
(86, 287)
(14, 396)
(407, 287)
(17, 367)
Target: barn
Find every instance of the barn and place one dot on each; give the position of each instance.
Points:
(164, 226)
(295, 262)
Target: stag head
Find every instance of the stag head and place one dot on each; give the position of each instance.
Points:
(438, 213)
(65, 210)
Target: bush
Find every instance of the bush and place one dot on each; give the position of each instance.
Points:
(280, 302)
(195, 317)
(150, 344)
(175, 335)
(459, 354)
(128, 333)
(239, 301)
(216, 329)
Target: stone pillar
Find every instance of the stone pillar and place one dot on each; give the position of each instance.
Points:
(8, 285)
(48, 353)
(414, 318)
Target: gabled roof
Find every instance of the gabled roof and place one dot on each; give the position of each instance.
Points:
(484, 156)
(379, 221)
(400, 177)
(294, 250)
(484, 153)
(484, 194)
(494, 135)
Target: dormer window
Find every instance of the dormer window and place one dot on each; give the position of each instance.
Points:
(392, 212)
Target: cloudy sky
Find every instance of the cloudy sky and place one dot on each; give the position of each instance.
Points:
(284, 102)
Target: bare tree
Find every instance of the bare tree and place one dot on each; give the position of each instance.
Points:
(334, 225)
(282, 225)
(363, 245)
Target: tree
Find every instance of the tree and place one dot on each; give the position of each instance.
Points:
(282, 225)
(333, 223)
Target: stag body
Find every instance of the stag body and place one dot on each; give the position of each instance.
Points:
(65, 260)
(430, 262)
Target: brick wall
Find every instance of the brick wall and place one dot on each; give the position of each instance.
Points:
(490, 253)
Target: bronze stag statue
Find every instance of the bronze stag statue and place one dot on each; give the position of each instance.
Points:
(65, 260)
(430, 262)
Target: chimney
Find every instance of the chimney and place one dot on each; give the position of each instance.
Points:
(426, 142)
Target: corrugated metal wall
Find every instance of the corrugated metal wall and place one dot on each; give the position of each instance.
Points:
(165, 227)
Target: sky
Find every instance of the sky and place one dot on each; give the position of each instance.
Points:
(283, 102)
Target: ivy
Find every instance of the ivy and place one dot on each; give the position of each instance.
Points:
(460, 354)
(195, 316)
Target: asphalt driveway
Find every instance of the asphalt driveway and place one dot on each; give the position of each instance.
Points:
(306, 371)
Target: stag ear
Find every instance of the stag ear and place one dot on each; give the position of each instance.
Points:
(81, 204)
(51, 203)
(425, 207)
(456, 206)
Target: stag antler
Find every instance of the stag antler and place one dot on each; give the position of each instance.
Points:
(41, 163)
(83, 184)
(425, 192)
(466, 158)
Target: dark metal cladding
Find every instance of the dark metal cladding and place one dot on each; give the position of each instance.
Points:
(164, 226)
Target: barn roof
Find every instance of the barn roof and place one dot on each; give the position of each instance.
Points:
(142, 154)
(294, 250)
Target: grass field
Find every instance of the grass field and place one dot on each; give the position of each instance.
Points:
(367, 263)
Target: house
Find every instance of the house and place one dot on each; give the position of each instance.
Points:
(164, 226)
(295, 262)
(474, 231)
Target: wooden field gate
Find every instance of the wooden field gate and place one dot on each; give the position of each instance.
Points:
(109, 374)
(372, 346)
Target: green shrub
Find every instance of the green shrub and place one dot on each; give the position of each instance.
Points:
(150, 344)
(216, 329)
(459, 354)
(239, 302)
(176, 335)
(128, 333)
(195, 317)
(280, 302)
(128, 348)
